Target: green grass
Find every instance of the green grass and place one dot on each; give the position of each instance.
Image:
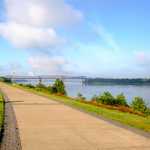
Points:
(1, 113)
(132, 120)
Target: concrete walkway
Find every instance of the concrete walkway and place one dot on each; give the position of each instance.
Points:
(48, 125)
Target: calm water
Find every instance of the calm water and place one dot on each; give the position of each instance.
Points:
(73, 88)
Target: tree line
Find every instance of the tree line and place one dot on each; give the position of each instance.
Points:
(99, 81)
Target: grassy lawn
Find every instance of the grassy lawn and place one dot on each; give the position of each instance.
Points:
(122, 117)
(1, 113)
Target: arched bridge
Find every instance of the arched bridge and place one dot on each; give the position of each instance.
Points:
(48, 77)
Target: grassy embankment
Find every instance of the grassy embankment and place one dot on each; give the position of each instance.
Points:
(132, 120)
(1, 114)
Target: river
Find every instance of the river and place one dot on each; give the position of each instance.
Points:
(73, 88)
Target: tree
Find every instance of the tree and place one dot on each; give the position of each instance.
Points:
(121, 99)
(139, 104)
(59, 87)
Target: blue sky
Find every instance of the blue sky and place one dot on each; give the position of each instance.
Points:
(104, 38)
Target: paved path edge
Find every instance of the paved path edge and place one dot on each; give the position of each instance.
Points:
(10, 138)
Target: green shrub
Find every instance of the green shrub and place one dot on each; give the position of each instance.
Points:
(59, 87)
(106, 98)
(139, 104)
(20, 84)
(30, 86)
(80, 96)
(121, 100)
(49, 88)
(40, 85)
(147, 111)
(94, 98)
(4, 79)
(53, 90)
(38, 89)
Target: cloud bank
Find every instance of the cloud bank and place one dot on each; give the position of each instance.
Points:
(34, 23)
(42, 13)
(24, 36)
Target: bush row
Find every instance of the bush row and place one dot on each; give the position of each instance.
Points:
(108, 99)
(137, 104)
(57, 88)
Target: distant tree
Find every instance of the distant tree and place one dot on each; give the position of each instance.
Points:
(106, 81)
(139, 104)
(59, 87)
(121, 100)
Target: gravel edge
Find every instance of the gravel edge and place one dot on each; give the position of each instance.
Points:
(11, 139)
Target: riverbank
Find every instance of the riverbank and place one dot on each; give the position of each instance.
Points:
(124, 118)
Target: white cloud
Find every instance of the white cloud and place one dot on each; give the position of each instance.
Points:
(33, 23)
(24, 36)
(47, 65)
(42, 12)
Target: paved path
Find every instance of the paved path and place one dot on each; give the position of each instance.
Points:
(48, 125)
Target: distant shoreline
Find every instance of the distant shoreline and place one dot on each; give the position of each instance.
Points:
(110, 81)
